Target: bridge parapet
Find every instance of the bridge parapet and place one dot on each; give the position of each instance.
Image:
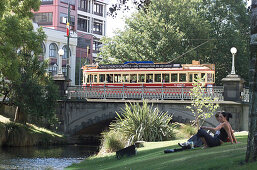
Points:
(158, 93)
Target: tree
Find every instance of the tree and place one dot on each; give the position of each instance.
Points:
(251, 152)
(123, 5)
(202, 106)
(23, 76)
(180, 31)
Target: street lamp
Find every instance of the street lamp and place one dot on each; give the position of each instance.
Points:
(61, 53)
(233, 51)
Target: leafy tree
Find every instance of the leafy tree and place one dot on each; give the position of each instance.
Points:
(123, 5)
(180, 31)
(23, 77)
(251, 152)
(203, 107)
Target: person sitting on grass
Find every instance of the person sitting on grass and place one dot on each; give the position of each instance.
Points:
(225, 129)
(196, 140)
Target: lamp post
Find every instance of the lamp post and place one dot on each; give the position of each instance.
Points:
(61, 53)
(233, 51)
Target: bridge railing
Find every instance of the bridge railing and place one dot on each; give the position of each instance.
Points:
(158, 93)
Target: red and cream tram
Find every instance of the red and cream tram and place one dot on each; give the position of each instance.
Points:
(147, 74)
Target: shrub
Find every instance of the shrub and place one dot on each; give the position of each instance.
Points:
(143, 123)
(112, 141)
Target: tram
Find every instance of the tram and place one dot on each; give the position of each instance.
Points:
(148, 74)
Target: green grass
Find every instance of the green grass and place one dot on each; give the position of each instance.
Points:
(16, 134)
(151, 156)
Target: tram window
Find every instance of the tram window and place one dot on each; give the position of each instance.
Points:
(117, 78)
(149, 78)
(203, 76)
(89, 78)
(95, 78)
(109, 78)
(157, 77)
(125, 78)
(182, 77)
(190, 77)
(174, 77)
(141, 78)
(195, 77)
(165, 78)
(209, 77)
(133, 78)
(101, 78)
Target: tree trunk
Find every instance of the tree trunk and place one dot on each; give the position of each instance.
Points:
(20, 117)
(251, 152)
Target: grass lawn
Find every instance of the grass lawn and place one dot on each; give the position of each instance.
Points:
(151, 156)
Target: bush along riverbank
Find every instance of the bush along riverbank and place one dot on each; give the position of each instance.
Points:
(16, 134)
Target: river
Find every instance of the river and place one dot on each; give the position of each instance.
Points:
(51, 158)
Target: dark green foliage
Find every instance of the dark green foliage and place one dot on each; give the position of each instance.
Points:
(23, 76)
(143, 123)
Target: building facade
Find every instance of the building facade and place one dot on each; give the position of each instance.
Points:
(87, 26)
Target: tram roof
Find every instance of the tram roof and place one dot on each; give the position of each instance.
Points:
(150, 65)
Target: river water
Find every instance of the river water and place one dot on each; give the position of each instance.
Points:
(50, 158)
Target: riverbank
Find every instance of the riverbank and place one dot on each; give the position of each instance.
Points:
(16, 134)
(151, 156)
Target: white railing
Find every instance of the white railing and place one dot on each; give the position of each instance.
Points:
(245, 95)
(158, 93)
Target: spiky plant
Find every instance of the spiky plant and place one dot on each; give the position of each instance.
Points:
(143, 123)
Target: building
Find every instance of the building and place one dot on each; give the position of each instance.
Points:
(87, 22)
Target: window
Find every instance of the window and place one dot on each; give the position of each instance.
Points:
(157, 78)
(96, 46)
(53, 50)
(83, 5)
(64, 21)
(72, 2)
(109, 78)
(98, 9)
(43, 18)
(149, 78)
(125, 78)
(174, 77)
(203, 76)
(101, 78)
(83, 23)
(98, 27)
(65, 49)
(182, 77)
(165, 78)
(117, 78)
(141, 78)
(43, 49)
(133, 78)
(95, 78)
(190, 77)
(209, 77)
(44, 2)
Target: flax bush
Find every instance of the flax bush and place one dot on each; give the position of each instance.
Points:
(112, 141)
(144, 122)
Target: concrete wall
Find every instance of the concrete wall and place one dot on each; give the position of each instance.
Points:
(78, 115)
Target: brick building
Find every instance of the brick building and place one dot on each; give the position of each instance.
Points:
(88, 24)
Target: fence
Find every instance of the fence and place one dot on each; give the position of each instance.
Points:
(158, 93)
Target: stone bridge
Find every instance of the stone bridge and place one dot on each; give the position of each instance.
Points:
(78, 115)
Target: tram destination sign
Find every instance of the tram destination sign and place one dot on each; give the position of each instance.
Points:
(121, 66)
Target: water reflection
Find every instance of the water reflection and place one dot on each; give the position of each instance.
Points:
(54, 157)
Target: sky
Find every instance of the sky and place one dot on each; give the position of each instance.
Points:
(118, 22)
